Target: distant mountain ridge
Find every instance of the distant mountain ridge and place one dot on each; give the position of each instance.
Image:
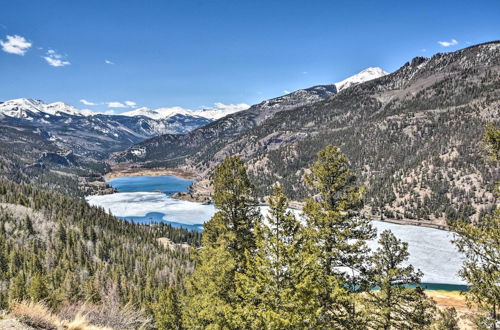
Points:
(219, 132)
(210, 113)
(92, 134)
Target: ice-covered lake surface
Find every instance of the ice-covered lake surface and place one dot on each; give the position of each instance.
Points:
(146, 199)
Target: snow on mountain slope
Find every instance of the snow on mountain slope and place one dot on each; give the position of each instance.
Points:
(365, 75)
(25, 108)
(220, 110)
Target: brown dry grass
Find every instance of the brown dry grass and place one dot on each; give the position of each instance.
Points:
(36, 315)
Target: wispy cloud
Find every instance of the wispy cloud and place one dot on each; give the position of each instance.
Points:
(87, 102)
(109, 62)
(286, 92)
(452, 42)
(423, 50)
(117, 104)
(15, 45)
(55, 59)
(236, 107)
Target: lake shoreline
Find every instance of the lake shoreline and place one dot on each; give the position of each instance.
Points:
(200, 192)
(130, 170)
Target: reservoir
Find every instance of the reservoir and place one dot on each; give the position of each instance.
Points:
(147, 199)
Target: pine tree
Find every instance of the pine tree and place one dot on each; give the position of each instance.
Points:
(395, 305)
(480, 244)
(17, 288)
(276, 290)
(37, 289)
(167, 310)
(210, 292)
(340, 234)
(234, 198)
(447, 320)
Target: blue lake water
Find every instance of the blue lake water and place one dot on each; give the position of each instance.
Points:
(168, 184)
(147, 199)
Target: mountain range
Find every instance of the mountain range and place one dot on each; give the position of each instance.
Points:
(95, 135)
(413, 137)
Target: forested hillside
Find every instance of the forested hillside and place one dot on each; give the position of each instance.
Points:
(61, 250)
(27, 156)
(413, 138)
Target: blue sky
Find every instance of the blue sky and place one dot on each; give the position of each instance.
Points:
(195, 53)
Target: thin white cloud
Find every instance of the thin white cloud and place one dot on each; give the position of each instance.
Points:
(286, 92)
(235, 107)
(452, 42)
(423, 50)
(118, 104)
(15, 45)
(109, 62)
(55, 59)
(87, 102)
(304, 72)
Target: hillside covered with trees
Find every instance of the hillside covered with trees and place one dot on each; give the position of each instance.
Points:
(413, 138)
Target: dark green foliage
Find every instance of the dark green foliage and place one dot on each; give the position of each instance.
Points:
(339, 234)
(61, 250)
(278, 289)
(167, 310)
(211, 296)
(447, 320)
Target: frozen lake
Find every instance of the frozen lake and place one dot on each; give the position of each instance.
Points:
(146, 199)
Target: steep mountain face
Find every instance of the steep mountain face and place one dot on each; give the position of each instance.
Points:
(222, 131)
(89, 134)
(413, 138)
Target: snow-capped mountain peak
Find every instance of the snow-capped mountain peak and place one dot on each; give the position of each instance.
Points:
(21, 108)
(220, 110)
(365, 75)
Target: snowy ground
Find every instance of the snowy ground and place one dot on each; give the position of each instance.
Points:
(138, 204)
(430, 249)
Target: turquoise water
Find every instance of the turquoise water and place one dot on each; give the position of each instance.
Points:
(444, 287)
(168, 184)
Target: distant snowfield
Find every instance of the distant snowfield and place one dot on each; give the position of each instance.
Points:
(430, 249)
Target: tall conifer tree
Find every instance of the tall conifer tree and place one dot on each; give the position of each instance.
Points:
(277, 289)
(211, 297)
(340, 234)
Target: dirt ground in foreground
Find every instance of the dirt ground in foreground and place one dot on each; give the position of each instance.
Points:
(447, 299)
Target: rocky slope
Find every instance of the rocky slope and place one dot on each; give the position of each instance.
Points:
(413, 137)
